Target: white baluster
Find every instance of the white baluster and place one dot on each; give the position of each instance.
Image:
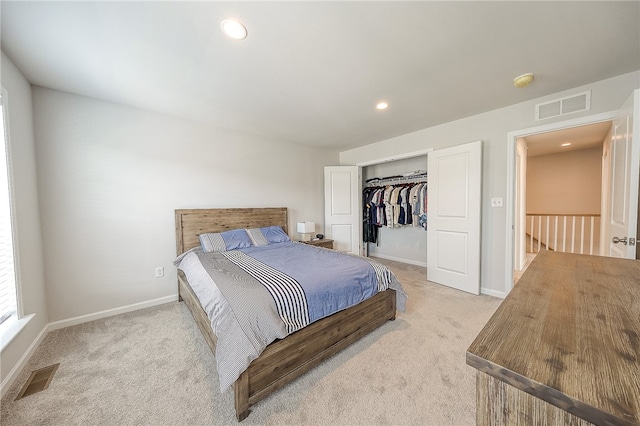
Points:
(582, 236)
(547, 235)
(564, 235)
(591, 240)
(539, 231)
(531, 242)
(573, 233)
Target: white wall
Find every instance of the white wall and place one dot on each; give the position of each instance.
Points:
(110, 178)
(492, 128)
(30, 266)
(565, 183)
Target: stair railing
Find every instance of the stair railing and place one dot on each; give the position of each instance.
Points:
(558, 232)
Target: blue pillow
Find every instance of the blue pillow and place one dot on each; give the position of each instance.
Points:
(274, 234)
(223, 241)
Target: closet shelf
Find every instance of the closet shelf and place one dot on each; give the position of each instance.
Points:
(415, 177)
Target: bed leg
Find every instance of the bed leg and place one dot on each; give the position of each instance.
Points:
(393, 308)
(241, 396)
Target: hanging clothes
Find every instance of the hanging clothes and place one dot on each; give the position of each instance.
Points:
(369, 216)
(393, 206)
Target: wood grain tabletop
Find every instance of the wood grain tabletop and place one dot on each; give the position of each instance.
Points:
(569, 334)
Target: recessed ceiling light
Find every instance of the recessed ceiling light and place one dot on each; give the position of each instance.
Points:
(234, 29)
(382, 105)
(523, 80)
(566, 144)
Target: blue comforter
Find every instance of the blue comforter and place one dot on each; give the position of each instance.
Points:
(308, 282)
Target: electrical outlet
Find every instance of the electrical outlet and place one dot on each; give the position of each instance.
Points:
(160, 271)
(496, 202)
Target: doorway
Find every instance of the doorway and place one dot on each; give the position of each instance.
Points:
(512, 144)
(559, 187)
(622, 226)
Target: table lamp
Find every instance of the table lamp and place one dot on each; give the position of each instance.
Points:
(306, 230)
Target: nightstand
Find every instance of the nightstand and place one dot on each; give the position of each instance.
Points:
(326, 243)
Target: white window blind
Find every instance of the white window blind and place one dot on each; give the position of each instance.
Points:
(7, 268)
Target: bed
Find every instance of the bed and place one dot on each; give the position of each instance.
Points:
(285, 359)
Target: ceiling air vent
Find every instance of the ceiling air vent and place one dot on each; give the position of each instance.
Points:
(563, 106)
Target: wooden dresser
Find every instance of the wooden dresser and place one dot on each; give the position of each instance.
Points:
(563, 347)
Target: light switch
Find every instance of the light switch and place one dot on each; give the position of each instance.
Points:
(496, 202)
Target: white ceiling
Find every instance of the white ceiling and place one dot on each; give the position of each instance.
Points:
(311, 72)
(581, 137)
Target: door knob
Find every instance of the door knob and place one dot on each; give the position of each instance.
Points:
(617, 240)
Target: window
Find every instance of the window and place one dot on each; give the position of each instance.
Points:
(7, 264)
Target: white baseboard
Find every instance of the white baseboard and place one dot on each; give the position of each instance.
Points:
(398, 259)
(494, 293)
(523, 264)
(110, 312)
(487, 291)
(17, 369)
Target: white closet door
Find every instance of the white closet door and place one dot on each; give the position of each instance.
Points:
(453, 217)
(342, 211)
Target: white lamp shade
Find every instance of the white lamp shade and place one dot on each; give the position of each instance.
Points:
(306, 227)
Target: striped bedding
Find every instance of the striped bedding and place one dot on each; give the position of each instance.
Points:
(255, 295)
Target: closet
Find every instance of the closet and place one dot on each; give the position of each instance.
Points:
(403, 242)
(450, 246)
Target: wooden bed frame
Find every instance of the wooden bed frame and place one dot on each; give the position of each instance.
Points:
(287, 359)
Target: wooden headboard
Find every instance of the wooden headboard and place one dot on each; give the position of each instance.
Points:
(192, 222)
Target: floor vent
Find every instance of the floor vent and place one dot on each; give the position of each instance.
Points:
(38, 381)
(564, 106)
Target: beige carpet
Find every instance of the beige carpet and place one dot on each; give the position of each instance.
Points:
(152, 367)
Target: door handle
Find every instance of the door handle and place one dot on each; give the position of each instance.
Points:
(617, 240)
